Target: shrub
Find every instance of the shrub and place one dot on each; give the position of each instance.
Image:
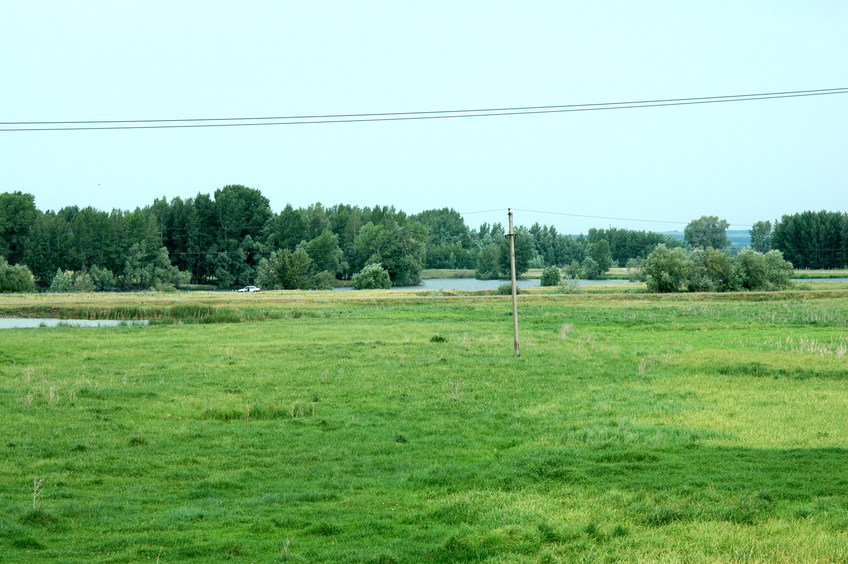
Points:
(324, 280)
(551, 276)
(751, 270)
(506, 289)
(103, 278)
(666, 270)
(16, 278)
(63, 281)
(711, 271)
(83, 282)
(778, 271)
(371, 277)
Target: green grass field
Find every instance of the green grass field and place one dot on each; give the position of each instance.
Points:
(399, 427)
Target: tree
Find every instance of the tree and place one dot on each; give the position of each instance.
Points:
(149, 267)
(707, 232)
(372, 277)
(711, 270)
(813, 239)
(400, 249)
(666, 270)
(600, 252)
(778, 271)
(325, 252)
(17, 278)
(285, 270)
(751, 270)
(289, 228)
(48, 245)
(525, 250)
(551, 276)
(761, 236)
(17, 215)
(488, 262)
(626, 244)
(63, 282)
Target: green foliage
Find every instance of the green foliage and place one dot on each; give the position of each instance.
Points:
(525, 250)
(372, 277)
(708, 231)
(712, 270)
(488, 262)
(628, 244)
(813, 239)
(751, 270)
(63, 281)
(590, 269)
(149, 267)
(778, 271)
(506, 289)
(325, 252)
(551, 276)
(17, 278)
(324, 280)
(761, 236)
(449, 241)
(17, 215)
(599, 251)
(285, 270)
(666, 270)
(103, 279)
(399, 248)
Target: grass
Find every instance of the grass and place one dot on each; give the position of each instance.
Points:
(395, 427)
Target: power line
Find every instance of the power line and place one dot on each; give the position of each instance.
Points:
(100, 125)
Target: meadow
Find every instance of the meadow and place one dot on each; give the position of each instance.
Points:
(399, 427)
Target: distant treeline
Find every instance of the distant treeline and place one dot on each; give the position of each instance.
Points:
(222, 239)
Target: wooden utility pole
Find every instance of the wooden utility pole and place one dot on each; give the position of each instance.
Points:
(514, 288)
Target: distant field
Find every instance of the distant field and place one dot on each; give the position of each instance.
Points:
(399, 427)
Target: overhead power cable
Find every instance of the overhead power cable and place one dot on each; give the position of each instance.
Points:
(99, 125)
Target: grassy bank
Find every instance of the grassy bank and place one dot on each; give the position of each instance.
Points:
(817, 274)
(396, 427)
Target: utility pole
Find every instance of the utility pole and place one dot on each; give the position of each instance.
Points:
(511, 236)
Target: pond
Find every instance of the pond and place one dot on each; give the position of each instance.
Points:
(25, 322)
(474, 284)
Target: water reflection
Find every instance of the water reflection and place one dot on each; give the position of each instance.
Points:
(27, 322)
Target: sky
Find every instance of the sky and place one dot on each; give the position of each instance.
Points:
(647, 168)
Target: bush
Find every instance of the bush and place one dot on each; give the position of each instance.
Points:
(63, 281)
(16, 278)
(712, 270)
(551, 276)
(506, 289)
(103, 279)
(666, 270)
(371, 277)
(83, 282)
(778, 271)
(751, 270)
(324, 280)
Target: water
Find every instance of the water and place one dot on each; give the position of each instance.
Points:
(25, 322)
(474, 284)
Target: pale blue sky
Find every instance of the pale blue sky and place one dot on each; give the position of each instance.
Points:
(151, 59)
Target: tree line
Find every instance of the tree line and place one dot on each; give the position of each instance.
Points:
(233, 238)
